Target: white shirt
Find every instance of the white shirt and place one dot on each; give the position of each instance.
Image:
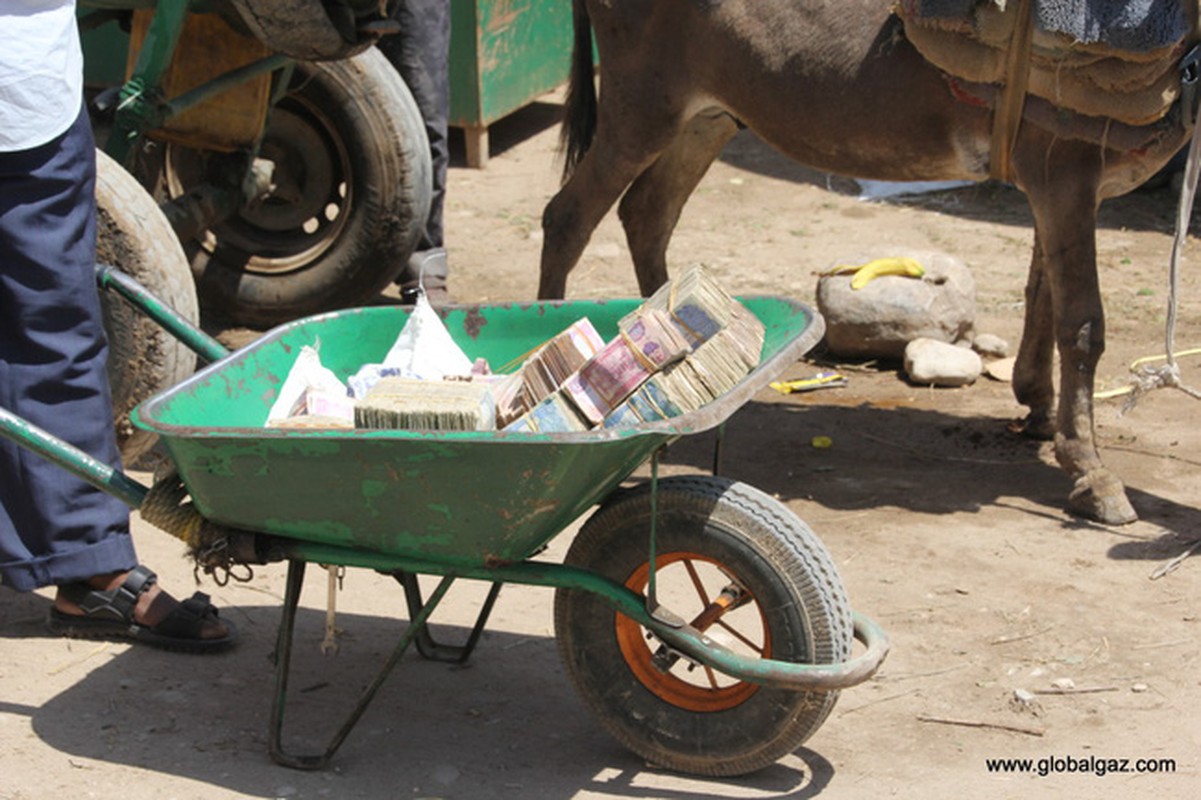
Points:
(41, 71)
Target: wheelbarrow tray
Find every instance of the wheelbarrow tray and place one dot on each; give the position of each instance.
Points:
(467, 498)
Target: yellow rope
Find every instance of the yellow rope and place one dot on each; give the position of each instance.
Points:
(1110, 393)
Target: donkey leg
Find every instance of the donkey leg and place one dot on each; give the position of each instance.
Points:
(611, 164)
(1033, 383)
(1065, 213)
(651, 207)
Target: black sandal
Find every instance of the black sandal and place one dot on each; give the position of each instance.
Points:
(109, 615)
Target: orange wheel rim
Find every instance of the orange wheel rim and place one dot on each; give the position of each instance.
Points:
(705, 692)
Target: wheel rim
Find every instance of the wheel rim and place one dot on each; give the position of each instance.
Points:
(307, 210)
(705, 592)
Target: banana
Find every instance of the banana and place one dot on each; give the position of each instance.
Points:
(896, 265)
(841, 269)
(865, 273)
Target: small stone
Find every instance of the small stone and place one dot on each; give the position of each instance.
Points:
(1024, 702)
(990, 346)
(935, 363)
(1064, 684)
(1139, 688)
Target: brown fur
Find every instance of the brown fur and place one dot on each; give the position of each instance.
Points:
(836, 85)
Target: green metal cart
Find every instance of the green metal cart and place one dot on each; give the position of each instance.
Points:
(703, 623)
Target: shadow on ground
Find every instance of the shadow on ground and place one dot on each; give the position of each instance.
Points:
(506, 725)
(915, 460)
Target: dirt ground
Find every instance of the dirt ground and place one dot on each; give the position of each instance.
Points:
(948, 530)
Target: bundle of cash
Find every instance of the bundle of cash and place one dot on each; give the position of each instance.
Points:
(647, 341)
(434, 405)
(710, 371)
(555, 414)
(652, 337)
(606, 380)
(681, 387)
(732, 352)
(648, 404)
(544, 371)
(746, 334)
(699, 307)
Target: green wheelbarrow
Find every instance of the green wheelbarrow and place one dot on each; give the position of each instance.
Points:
(704, 624)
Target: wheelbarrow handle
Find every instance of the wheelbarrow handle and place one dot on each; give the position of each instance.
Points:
(71, 458)
(112, 279)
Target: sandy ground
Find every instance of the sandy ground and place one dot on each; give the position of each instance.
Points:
(946, 529)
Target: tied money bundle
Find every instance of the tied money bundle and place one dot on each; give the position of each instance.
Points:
(555, 414)
(427, 405)
(545, 371)
(729, 342)
(698, 305)
(647, 341)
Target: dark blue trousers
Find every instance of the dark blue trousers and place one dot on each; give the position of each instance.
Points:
(420, 52)
(54, 527)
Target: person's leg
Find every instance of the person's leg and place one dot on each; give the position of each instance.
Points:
(54, 527)
(420, 52)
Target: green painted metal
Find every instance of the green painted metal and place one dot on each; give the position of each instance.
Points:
(224, 83)
(71, 458)
(692, 643)
(466, 499)
(503, 54)
(139, 107)
(112, 279)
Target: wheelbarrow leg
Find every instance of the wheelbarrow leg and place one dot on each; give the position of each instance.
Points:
(426, 644)
(283, 655)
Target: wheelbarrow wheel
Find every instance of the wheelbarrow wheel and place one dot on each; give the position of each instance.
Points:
(133, 235)
(352, 194)
(738, 564)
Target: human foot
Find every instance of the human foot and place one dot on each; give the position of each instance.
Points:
(131, 605)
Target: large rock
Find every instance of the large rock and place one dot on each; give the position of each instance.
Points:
(878, 320)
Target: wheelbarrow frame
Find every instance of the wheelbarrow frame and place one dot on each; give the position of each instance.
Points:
(260, 547)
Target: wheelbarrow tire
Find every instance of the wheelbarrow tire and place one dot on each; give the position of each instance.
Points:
(738, 533)
(354, 191)
(133, 235)
(309, 30)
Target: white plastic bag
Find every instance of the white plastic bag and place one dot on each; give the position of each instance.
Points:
(423, 350)
(307, 375)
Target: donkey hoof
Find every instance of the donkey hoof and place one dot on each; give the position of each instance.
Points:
(1100, 496)
(1038, 427)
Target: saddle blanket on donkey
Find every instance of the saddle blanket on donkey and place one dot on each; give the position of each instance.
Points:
(1098, 58)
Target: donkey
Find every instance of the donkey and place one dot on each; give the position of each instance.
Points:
(815, 79)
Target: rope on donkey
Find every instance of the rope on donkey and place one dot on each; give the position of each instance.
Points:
(1168, 375)
(167, 507)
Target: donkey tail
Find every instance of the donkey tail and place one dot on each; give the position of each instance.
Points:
(579, 112)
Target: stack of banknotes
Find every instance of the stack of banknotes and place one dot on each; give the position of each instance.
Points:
(722, 358)
(686, 345)
(427, 405)
(555, 414)
(647, 342)
(545, 371)
(698, 305)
